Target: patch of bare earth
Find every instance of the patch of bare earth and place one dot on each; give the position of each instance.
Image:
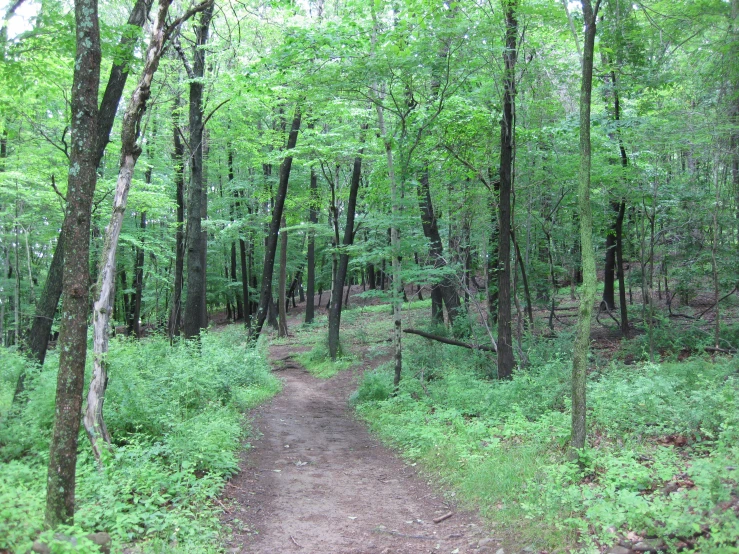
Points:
(316, 481)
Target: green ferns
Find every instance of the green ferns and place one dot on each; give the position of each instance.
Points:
(175, 414)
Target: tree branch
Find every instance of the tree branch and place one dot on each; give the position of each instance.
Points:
(449, 341)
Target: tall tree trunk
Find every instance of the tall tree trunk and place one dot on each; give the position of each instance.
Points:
(234, 213)
(194, 316)
(82, 179)
(105, 287)
(582, 334)
(334, 313)
(38, 336)
(282, 286)
(274, 226)
(397, 291)
(138, 277)
(446, 289)
(178, 159)
(311, 277)
(614, 239)
(506, 360)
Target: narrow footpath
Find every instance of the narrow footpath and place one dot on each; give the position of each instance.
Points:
(315, 481)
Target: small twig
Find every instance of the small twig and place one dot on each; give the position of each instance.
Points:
(704, 312)
(56, 190)
(214, 111)
(101, 200)
(296, 542)
(444, 517)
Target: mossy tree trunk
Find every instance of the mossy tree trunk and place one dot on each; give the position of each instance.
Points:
(82, 179)
(582, 333)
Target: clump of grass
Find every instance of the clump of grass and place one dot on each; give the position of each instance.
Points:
(319, 364)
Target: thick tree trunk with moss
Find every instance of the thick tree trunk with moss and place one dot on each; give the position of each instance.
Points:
(582, 333)
(60, 499)
(38, 336)
(506, 360)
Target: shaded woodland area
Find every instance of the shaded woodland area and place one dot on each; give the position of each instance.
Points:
(543, 171)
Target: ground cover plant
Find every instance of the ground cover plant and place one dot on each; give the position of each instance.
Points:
(661, 464)
(176, 417)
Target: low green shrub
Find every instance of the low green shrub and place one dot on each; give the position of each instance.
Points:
(661, 461)
(319, 364)
(175, 416)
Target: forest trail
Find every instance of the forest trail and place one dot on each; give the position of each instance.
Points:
(315, 481)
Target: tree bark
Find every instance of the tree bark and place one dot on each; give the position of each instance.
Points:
(105, 287)
(282, 285)
(178, 159)
(311, 277)
(60, 499)
(194, 310)
(582, 333)
(274, 226)
(46, 307)
(334, 313)
(446, 289)
(138, 277)
(506, 360)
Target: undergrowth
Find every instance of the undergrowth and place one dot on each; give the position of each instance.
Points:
(319, 364)
(175, 416)
(662, 459)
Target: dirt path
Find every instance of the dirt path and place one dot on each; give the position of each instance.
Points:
(317, 482)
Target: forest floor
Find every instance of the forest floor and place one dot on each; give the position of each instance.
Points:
(317, 481)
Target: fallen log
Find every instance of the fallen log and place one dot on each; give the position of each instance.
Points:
(446, 340)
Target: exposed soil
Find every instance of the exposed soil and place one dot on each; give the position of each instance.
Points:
(316, 481)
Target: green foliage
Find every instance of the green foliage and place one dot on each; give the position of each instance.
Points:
(318, 362)
(175, 417)
(660, 462)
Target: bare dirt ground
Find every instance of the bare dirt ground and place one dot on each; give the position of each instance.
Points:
(316, 481)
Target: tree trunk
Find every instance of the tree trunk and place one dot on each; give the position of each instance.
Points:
(82, 179)
(274, 226)
(506, 360)
(582, 334)
(397, 291)
(194, 312)
(311, 277)
(47, 304)
(334, 313)
(138, 277)
(282, 285)
(105, 286)
(446, 289)
(178, 159)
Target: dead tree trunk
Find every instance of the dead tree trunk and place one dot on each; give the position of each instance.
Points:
(105, 287)
(38, 336)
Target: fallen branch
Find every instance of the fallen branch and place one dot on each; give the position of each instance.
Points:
(449, 341)
(721, 350)
(296, 542)
(444, 517)
(704, 312)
